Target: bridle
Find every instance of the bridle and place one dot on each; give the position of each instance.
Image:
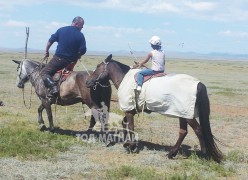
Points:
(100, 75)
(20, 67)
(105, 69)
(28, 75)
(23, 79)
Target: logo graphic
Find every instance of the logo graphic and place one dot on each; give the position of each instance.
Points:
(103, 133)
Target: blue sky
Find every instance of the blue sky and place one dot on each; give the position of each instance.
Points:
(112, 25)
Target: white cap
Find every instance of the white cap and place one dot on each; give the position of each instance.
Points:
(155, 40)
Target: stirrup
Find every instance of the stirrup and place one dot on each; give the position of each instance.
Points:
(53, 90)
(51, 96)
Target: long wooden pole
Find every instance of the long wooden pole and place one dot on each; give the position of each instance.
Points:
(26, 44)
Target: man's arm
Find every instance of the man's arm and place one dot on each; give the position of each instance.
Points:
(49, 44)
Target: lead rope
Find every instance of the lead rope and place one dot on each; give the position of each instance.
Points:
(55, 111)
(143, 106)
(44, 59)
(84, 113)
(84, 67)
(55, 104)
(23, 97)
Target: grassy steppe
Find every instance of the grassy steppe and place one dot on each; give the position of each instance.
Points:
(27, 153)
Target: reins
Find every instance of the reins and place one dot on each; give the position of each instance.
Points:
(44, 59)
(23, 96)
(84, 67)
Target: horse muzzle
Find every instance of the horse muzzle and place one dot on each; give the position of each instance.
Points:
(20, 82)
(20, 85)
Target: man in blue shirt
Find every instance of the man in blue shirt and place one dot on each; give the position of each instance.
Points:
(71, 46)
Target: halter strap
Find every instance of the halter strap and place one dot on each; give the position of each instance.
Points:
(100, 75)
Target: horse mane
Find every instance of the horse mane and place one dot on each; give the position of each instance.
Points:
(35, 74)
(41, 65)
(124, 68)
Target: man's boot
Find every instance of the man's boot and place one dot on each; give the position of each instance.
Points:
(52, 87)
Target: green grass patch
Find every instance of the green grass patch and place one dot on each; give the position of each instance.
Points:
(10, 114)
(189, 169)
(227, 91)
(237, 156)
(32, 144)
(204, 169)
(126, 172)
(117, 111)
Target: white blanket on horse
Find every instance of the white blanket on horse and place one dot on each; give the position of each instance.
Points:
(173, 94)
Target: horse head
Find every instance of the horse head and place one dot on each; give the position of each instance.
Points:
(100, 73)
(24, 70)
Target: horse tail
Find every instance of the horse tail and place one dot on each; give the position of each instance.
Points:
(204, 112)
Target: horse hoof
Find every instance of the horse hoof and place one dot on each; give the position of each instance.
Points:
(172, 154)
(1, 103)
(51, 130)
(131, 147)
(126, 146)
(42, 127)
(110, 143)
(134, 149)
(89, 131)
(127, 150)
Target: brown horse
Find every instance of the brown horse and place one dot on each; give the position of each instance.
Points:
(73, 90)
(116, 71)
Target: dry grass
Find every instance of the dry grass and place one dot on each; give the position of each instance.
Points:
(227, 88)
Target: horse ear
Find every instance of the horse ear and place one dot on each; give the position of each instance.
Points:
(16, 61)
(108, 58)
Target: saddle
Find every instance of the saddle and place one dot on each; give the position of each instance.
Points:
(59, 77)
(148, 77)
(62, 74)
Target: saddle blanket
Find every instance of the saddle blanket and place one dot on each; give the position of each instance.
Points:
(172, 95)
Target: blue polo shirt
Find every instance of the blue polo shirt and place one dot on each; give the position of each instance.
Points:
(71, 43)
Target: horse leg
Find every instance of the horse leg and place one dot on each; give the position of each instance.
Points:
(40, 118)
(129, 136)
(182, 134)
(198, 131)
(50, 117)
(92, 123)
(128, 127)
(124, 127)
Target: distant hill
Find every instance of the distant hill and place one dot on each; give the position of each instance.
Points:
(209, 56)
(169, 54)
